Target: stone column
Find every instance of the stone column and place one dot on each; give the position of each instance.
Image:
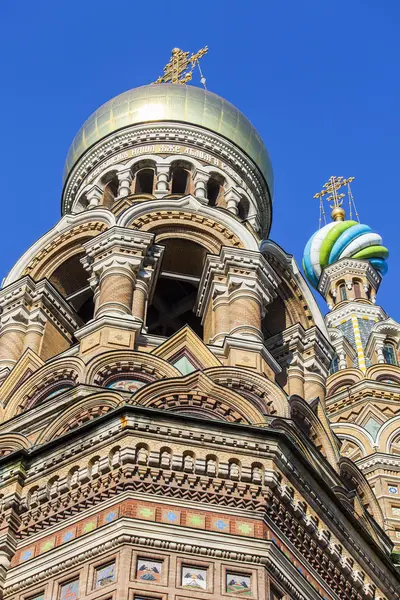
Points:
(124, 183)
(235, 286)
(295, 377)
(342, 360)
(35, 332)
(94, 196)
(232, 198)
(162, 186)
(113, 260)
(200, 185)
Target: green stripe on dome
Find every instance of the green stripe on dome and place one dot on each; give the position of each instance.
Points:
(372, 252)
(330, 239)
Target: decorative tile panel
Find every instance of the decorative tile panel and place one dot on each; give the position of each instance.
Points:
(220, 524)
(146, 512)
(105, 575)
(70, 590)
(171, 516)
(194, 578)
(196, 520)
(238, 584)
(149, 570)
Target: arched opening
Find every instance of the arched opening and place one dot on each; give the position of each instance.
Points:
(356, 289)
(342, 291)
(276, 319)
(110, 192)
(243, 208)
(176, 290)
(144, 181)
(215, 189)
(71, 280)
(179, 180)
(389, 353)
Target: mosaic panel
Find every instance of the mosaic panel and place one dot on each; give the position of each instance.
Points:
(244, 528)
(365, 326)
(238, 584)
(126, 385)
(105, 575)
(196, 520)
(194, 578)
(347, 329)
(220, 524)
(171, 516)
(146, 512)
(149, 570)
(70, 590)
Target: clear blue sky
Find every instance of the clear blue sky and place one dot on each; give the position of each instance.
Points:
(318, 78)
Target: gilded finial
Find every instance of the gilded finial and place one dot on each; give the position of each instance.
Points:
(332, 187)
(180, 67)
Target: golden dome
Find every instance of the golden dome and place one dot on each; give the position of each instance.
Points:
(172, 102)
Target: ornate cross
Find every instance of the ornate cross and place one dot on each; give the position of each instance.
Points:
(181, 65)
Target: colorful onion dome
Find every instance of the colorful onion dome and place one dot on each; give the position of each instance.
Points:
(343, 239)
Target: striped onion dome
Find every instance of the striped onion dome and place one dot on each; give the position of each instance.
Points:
(343, 239)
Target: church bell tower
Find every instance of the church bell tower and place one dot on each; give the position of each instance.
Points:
(163, 365)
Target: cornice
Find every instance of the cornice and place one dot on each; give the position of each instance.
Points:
(119, 142)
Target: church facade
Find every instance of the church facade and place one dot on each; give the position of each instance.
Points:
(178, 420)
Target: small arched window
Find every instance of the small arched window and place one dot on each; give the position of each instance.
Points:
(357, 289)
(180, 181)
(342, 292)
(213, 191)
(144, 181)
(389, 354)
(243, 208)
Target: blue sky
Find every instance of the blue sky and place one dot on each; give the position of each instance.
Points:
(318, 78)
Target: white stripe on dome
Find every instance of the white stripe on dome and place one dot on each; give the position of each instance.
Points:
(316, 247)
(364, 241)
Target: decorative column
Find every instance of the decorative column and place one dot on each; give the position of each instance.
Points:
(116, 260)
(235, 287)
(200, 185)
(124, 183)
(232, 198)
(113, 260)
(28, 308)
(162, 186)
(145, 282)
(94, 196)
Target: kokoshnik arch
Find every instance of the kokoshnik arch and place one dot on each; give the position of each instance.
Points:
(177, 418)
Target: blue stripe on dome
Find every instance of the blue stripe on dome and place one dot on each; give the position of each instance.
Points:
(345, 239)
(307, 264)
(380, 265)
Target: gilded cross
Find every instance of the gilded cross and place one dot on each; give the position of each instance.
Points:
(181, 65)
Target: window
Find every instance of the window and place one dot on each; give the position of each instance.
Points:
(144, 181)
(389, 354)
(357, 289)
(213, 191)
(39, 596)
(243, 209)
(334, 368)
(105, 575)
(342, 292)
(179, 181)
(70, 590)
